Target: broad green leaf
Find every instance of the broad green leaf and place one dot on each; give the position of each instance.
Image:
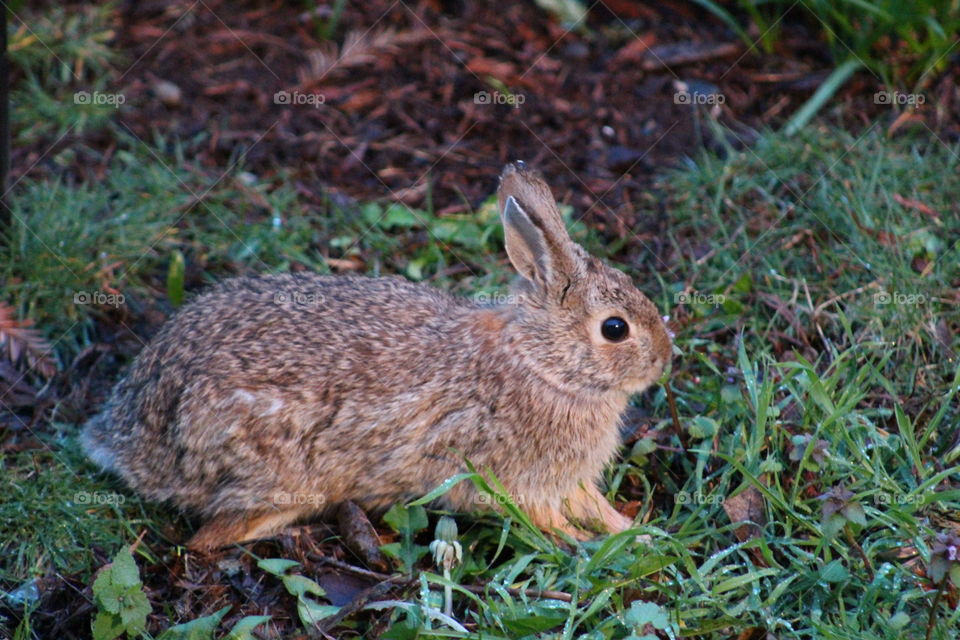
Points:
(118, 592)
(406, 519)
(730, 394)
(299, 585)
(106, 626)
(135, 610)
(107, 594)
(243, 630)
(461, 232)
(312, 612)
(123, 570)
(642, 448)
(199, 629)
(834, 572)
(899, 620)
(834, 525)
(401, 216)
(644, 613)
(277, 566)
(854, 512)
(703, 427)
(955, 574)
(938, 568)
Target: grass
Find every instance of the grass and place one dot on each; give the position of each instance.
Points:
(95, 248)
(904, 42)
(59, 53)
(857, 235)
(58, 514)
(812, 284)
(795, 380)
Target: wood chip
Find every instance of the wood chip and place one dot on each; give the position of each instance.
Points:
(360, 536)
(681, 53)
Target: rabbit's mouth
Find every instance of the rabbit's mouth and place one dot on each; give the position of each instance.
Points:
(641, 382)
(636, 385)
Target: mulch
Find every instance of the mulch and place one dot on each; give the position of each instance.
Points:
(423, 103)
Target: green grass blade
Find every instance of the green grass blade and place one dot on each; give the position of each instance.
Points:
(821, 96)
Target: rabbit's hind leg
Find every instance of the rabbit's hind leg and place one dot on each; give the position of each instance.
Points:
(229, 528)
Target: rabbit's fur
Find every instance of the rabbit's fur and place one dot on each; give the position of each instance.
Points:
(267, 399)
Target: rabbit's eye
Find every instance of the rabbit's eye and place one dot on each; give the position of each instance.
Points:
(614, 329)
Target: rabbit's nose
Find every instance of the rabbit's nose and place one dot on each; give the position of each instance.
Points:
(663, 345)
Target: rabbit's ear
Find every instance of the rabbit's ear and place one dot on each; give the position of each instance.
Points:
(537, 241)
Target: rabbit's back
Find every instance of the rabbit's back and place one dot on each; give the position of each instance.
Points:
(257, 388)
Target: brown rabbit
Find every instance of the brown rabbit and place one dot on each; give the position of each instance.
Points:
(267, 399)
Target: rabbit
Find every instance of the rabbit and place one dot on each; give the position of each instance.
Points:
(268, 399)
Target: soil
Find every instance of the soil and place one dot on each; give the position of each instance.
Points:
(423, 103)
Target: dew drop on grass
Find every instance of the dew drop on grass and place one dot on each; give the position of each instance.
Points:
(27, 593)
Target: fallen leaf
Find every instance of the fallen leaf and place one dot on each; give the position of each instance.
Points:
(746, 506)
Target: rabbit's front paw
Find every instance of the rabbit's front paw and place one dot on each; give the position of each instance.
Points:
(588, 506)
(552, 521)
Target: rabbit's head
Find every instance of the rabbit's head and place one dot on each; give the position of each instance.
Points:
(584, 325)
